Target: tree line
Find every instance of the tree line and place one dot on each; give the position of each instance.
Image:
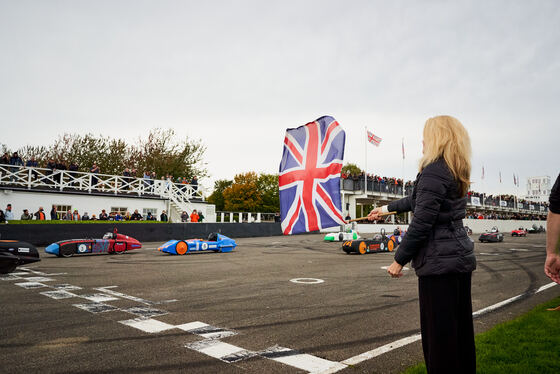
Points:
(247, 192)
(161, 151)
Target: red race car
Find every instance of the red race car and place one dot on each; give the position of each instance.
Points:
(519, 232)
(112, 242)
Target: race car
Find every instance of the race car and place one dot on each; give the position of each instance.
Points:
(398, 235)
(112, 242)
(519, 232)
(342, 236)
(535, 230)
(14, 253)
(216, 243)
(493, 236)
(379, 243)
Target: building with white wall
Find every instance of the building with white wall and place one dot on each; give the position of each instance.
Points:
(538, 188)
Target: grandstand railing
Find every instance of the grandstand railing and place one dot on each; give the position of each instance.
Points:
(32, 178)
(393, 191)
(229, 217)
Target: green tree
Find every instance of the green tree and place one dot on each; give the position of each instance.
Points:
(243, 194)
(217, 196)
(160, 151)
(267, 186)
(351, 169)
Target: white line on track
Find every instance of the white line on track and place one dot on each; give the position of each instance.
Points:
(413, 338)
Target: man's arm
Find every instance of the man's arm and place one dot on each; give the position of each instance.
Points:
(552, 263)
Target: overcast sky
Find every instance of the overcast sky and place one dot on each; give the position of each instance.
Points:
(236, 74)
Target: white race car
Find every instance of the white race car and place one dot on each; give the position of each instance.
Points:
(342, 236)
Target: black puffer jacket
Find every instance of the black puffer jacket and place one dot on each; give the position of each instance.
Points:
(436, 240)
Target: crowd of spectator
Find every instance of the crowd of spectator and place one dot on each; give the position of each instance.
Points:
(377, 183)
(69, 215)
(129, 174)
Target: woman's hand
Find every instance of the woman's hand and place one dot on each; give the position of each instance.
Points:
(375, 214)
(395, 270)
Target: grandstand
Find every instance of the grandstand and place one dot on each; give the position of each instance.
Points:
(31, 187)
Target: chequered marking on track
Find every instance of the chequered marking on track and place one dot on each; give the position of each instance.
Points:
(66, 286)
(98, 297)
(9, 277)
(300, 360)
(96, 307)
(59, 294)
(30, 285)
(148, 325)
(38, 279)
(144, 311)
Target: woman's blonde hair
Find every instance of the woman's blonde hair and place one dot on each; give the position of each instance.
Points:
(445, 137)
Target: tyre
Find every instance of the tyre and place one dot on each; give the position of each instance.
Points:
(362, 249)
(391, 245)
(66, 251)
(181, 247)
(340, 237)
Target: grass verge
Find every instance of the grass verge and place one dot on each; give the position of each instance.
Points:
(527, 344)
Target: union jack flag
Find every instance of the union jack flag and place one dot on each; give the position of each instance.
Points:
(374, 139)
(309, 179)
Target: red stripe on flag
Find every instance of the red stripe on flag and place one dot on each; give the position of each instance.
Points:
(294, 150)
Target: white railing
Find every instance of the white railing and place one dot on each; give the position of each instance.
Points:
(230, 217)
(64, 180)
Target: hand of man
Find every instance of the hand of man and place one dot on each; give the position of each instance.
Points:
(552, 267)
(375, 214)
(395, 270)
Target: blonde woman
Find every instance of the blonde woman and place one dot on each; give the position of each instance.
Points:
(439, 248)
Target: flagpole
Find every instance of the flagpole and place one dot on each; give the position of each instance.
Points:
(402, 144)
(365, 167)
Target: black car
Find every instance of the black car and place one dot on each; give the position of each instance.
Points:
(14, 253)
(536, 230)
(493, 235)
(379, 243)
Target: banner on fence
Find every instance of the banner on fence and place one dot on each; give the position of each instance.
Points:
(503, 203)
(475, 201)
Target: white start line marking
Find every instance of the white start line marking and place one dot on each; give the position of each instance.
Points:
(307, 280)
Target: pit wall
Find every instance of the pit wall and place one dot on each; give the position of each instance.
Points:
(45, 234)
(477, 226)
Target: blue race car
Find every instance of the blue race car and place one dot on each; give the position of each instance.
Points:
(216, 242)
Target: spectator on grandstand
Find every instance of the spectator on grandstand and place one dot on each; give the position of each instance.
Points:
(147, 177)
(26, 216)
(127, 216)
(67, 216)
(93, 218)
(126, 175)
(5, 159)
(8, 213)
(54, 214)
(136, 216)
(94, 170)
(150, 217)
(75, 215)
(118, 216)
(163, 216)
(194, 216)
(103, 216)
(194, 183)
(2, 216)
(40, 214)
(15, 161)
(184, 216)
(73, 168)
(85, 216)
(32, 163)
(201, 217)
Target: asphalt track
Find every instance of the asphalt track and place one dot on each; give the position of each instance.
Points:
(145, 311)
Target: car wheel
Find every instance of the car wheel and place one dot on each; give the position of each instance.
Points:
(66, 251)
(340, 237)
(181, 248)
(390, 245)
(362, 249)
(7, 268)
